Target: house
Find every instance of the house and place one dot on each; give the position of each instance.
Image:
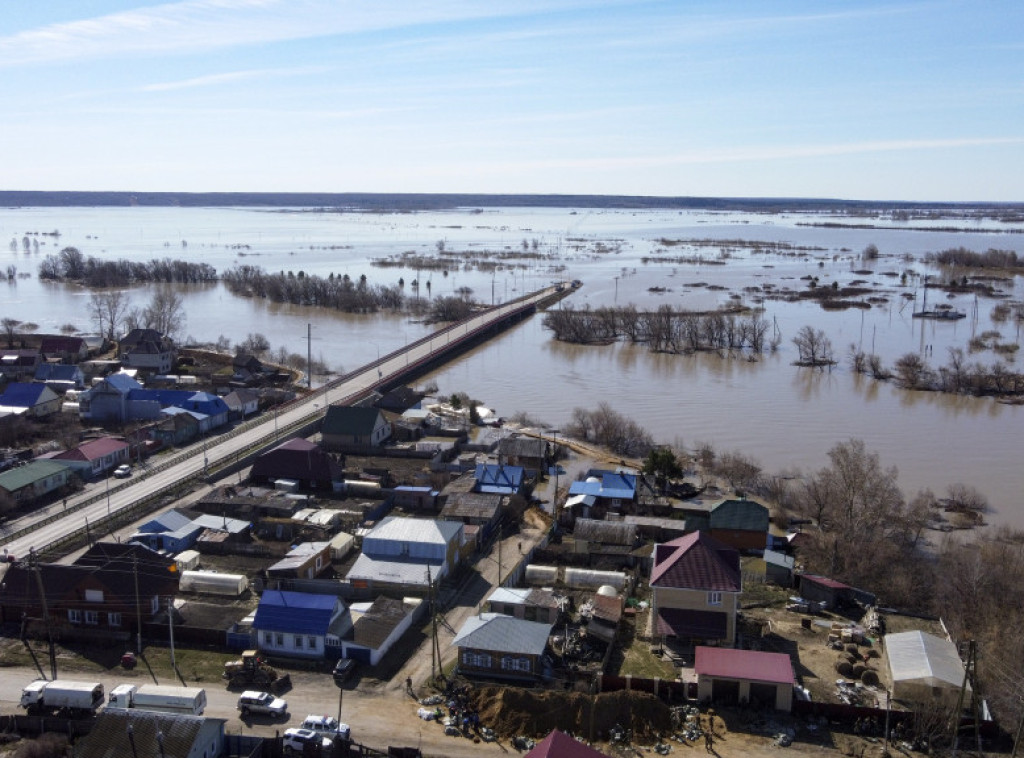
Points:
(399, 400)
(413, 498)
(26, 484)
(401, 552)
(778, 568)
(925, 669)
(604, 613)
(730, 677)
(128, 732)
(301, 624)
(529, 452)
(495, 479)
(67, 350)
(306, 560)
(612, 490)
(170, 532)
(560, 745)
(483, 510)
(176, 427)
(740, 523)
(299, 460)
(33, 400)
(695, 588)
(103, 592)
(107, 399)
(60, 377)
(247, 369)
(821, 589)
(378, 626)
(19, 364)
(242, 403)
(528, 604)
(147, 350)
(348, 426)
(494, 645)
(95, 457)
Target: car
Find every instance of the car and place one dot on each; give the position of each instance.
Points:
(327, 726)
(253, 701)
(123, 471)
(343, 669)
(297, 739)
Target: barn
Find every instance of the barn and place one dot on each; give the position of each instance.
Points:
(727, 675)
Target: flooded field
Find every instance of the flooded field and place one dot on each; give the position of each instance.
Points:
(783, 416)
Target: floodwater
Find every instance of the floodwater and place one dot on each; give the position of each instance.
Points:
(782, 416)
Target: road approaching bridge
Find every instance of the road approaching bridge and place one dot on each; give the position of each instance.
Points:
(94, 511)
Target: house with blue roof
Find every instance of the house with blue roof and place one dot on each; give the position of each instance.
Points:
(107, 399)
(301, 624)
(29, 399)
(496, 479)
(170, 532)
(403, 552)
(609, 490)
(60, 377)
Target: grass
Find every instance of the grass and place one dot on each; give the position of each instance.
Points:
(634, 656)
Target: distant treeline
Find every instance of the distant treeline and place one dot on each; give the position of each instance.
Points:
(414, 202)
(664, 330)
(961, 256)
(70, 265)
(337, 292)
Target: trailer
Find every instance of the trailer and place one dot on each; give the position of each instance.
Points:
(155, 697)
(62, 694)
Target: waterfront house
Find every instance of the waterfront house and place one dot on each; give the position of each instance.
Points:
(743, 524)
(95, 457)
(147, 350)
(348, 426)
(299, 460)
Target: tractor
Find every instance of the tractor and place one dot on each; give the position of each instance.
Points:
(250, 669)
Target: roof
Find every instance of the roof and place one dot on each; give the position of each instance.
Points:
(744, 515)
(505, 634)
(295, 612)
(300, 555)
(609, 484)
(523, 447)
(697, 561)
(373, 628)
(402, 529)
(57, 372)
(481, 505)
(93, 450)
(178, 734)
(61, 344)
(924, 658)
(775, 558)
(26, 395)
(824, 581)
(394, 570)
(168, 521)
(221, 524)
(22, 476)
(350, 420)
(297, 459)
(752, 665)
(608, 532)
(561, 745)
(524, 596)
(495, 478)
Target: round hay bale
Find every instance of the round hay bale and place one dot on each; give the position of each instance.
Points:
(854, 659)
(873, 653)
(844, 668)
(852, 649)
(870, 677)
(858, 670)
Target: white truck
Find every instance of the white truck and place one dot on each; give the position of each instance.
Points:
(155, 697)
(62, 694)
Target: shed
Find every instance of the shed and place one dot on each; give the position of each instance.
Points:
(727, 675)
(341, 544)
(187, 560)
(924, 668)
(213, 583)
(834, 594)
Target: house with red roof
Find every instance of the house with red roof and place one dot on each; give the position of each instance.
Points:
(95, 457)
(297, 459)
(695, 588)
(729, 677)
(830, 592)
(561, 745)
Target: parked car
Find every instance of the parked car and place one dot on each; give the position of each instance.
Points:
(297, 739)
(123, 471)
(253, 701)
(328, 726)
(343, 669)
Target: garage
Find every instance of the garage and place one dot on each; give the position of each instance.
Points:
(725, 675)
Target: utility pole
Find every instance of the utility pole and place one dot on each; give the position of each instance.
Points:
(34, 567)
(309, 356)
(888, 708)
(968, 669)
(170, 624)
(138, 606)
(433, 626)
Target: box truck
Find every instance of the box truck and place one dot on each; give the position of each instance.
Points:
(62, 693)
(154, 697)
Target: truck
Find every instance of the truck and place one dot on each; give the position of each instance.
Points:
(155, 697)
(62, 694)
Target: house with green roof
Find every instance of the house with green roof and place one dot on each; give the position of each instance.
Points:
(348, 426)
(26, 484)
(742, 524)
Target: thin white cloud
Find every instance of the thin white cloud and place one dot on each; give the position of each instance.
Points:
(230, 77)
(193, 25)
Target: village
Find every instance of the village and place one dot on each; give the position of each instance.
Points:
(491, 568)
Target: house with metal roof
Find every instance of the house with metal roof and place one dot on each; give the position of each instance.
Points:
(496, 646)
(301, 624)
(823, 589)
(740, 523)
(171, 532)
(404, 551)
(95, 457)
(925, 669)
(348, 426)
(107, 399)
(730, 677)
(19, 363)
(60, 377)
(26, 484)
(496, 479)
(526, 603)
(299, 460)
(147, 350)
(376, 627)
(478, 509)
(695, 588)
(130, 732)
(611, 490)
(66, 349)
(30, 399)
(560, 745)
(306, 560)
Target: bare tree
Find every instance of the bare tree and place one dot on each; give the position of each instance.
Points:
(912, 372)
(165, 313)
(108, 310)
(814, 347)
(10, 327)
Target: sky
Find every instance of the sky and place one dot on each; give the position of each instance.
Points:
(870, 100)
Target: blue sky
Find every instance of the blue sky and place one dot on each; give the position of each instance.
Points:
(867, 100)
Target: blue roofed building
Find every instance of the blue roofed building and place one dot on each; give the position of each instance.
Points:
(107, 399)
(171, 532)
(29, 399)
(60, 377)
(495, 479)
(610, 490)
(301, 624)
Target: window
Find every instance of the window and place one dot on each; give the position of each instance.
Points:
(74, 616)
(94, 596)
(268, 638)
(480, 660)
(714, 598)
(298, 642)
(279, 639)
(92, 617)
(154, 604)
(311, 642)
(113, 619)
(515, 663)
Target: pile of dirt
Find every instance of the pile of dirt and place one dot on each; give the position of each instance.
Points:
(535, 518)
(511, 711)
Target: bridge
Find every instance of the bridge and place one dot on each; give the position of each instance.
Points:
(96, 511)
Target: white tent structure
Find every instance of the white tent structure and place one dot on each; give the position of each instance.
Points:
(924, 668)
